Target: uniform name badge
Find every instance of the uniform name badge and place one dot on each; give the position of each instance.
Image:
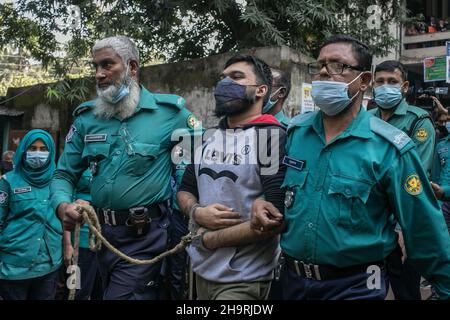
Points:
(22, 190)
(294, 163)
(95, 138)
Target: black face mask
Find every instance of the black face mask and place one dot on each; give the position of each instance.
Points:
(234, 107)
(6, 166)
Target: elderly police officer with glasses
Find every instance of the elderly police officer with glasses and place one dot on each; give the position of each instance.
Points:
(349, 175)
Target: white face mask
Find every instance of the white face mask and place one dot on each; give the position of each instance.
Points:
(36, 159)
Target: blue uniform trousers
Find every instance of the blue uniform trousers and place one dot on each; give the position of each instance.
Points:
(175, 265)
(125, 281)
(347, 288)
(87, 261)
(41, 288)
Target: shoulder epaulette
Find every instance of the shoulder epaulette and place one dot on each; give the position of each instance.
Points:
(395, 136)
(83, 107)
(170, 99)
(301, 120)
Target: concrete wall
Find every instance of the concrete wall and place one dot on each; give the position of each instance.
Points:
(192, 79)
(195, 79)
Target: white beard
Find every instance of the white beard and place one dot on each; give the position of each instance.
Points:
(123, 109)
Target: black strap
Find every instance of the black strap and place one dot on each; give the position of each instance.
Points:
(120, 217)
(326, 272)
(414, 123)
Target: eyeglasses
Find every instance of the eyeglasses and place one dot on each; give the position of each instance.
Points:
(332, 67)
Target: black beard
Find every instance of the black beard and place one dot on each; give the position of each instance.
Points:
(234, 107)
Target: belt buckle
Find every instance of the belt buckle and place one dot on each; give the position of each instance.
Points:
(138, 217)
(307, 269)
(106, 213)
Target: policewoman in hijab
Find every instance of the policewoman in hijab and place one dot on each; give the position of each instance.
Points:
(30, 232)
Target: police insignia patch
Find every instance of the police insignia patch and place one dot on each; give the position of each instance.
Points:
(192, 121)
(400, 138)
(3, 197)
(422, 134)
(71, 133)
(413, 185)
(289, 198)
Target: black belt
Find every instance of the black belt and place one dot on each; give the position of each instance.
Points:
(121, 217)
(326, 272)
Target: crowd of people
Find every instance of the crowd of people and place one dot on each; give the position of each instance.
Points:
(432, 25)
(340, 203)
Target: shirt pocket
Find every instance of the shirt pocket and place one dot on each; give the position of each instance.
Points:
(143, 157)
(96, 151)
(352, 195)
(24, 203)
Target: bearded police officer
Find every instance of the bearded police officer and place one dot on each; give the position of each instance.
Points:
(124, 136)
(349, 175)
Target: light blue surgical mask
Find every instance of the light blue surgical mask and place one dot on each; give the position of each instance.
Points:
(269, 105)
(36, 159)
(123, 91)
(387, 96)
(332, 96)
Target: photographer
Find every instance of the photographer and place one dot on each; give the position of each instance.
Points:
(440, 117)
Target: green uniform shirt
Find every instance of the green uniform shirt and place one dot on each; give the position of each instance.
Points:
(340, 196)
(133, 156)
(30, 232)
(282, 118)
(422, 134)
(441, 167)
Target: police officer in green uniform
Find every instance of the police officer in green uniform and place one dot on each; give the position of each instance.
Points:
(174, 266)
(281, 86)
(349, 175)
(389, 89)
(125, 138)
(441, 173)
(30, 233)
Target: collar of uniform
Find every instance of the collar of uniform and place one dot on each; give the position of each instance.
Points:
(146, 100)
(359, 127)
(402, 108)
(280, 115)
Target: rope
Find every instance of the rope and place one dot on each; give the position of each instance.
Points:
(96, 239)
